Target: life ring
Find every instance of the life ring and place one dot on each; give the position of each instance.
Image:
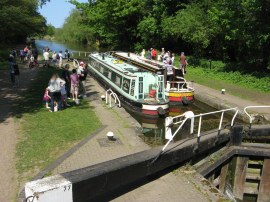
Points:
(161, 111)
(184, 101)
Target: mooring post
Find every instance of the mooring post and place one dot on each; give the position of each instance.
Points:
(264, 194)
(223, 174)
(236, 135)
(240, 177)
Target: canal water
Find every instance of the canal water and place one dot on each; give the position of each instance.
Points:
(58, 46)
(153, 130)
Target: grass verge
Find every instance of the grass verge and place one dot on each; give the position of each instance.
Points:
(243, 85)
(45, 135)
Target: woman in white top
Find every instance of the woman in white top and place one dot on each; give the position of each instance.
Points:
(55, 91)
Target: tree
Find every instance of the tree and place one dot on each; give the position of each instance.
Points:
(20, 19)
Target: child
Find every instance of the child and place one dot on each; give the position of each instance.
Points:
(46, 98)
(31, 61)
(64, 96)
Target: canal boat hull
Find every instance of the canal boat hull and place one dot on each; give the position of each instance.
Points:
(179, 97)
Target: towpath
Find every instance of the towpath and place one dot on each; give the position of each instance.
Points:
(9, 131)
(218, 100)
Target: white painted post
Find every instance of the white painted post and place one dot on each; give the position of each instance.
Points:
(221, 120)
(190, 115)
(54, 189)
(168, 130)
(200, 125)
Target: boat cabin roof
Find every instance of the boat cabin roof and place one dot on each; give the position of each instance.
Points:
(155, 64)
(119, 65)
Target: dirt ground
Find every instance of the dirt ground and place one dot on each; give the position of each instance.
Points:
(9, 128)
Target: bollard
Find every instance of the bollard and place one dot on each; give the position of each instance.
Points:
(236, 135)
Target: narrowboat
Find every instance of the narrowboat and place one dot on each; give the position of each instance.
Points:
(178, 92)
(139, 90)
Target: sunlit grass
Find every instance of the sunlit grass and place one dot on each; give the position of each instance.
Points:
(46, 135)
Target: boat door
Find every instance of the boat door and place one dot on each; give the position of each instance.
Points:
(141, 94)
(160, 88)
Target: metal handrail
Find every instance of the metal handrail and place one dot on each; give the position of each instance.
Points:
(115, 97)
(180, 84)
(190, 116)
(80, 53)
(221, 118)
(251, 118)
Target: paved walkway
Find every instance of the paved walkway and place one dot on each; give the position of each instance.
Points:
(217, 100)
(98, 149)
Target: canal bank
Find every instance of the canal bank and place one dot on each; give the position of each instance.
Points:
(223, 100)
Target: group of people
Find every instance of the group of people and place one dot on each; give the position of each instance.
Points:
(52, 56)
(61, 89)
(168, 58)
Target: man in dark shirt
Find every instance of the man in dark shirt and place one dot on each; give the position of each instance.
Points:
(66, 77)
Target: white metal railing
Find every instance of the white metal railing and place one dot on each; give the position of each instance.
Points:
(180, 85)
(181, 119)
(110, 93)
(80, 53)
(251, 118)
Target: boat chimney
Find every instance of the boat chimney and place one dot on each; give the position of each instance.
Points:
(103, 56)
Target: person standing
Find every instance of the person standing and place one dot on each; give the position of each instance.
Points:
(183, 62)
(35, 53)
(169, 71)
(11, 63)
(74, 81)
(55, 91)
(66, 77)
(46, 56)
(82, 79)
(54, 58)
(149, 54)
(66, 53)
(60, 62)
(153, 54)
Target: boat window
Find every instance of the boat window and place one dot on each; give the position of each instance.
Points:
(140, 87)
(160, 86)
(109, 75)
(118, 81)
(126, 85)
(116, 78)
(132, 87)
